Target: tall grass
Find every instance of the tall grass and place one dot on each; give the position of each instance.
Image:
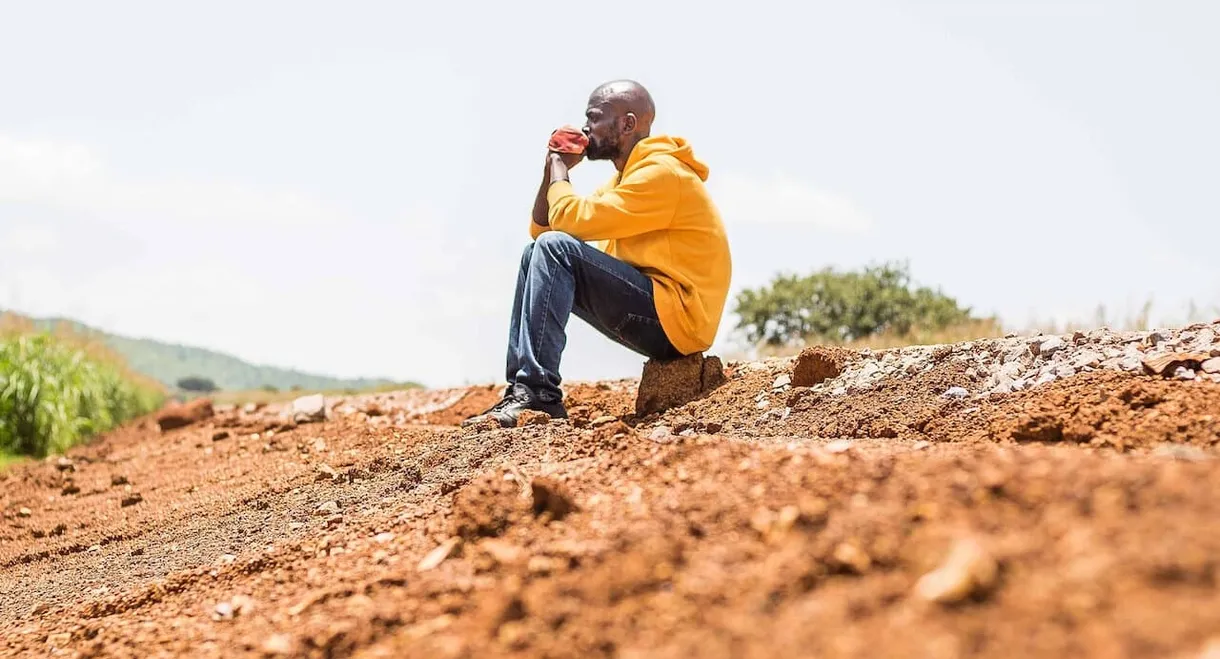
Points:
(57, 390)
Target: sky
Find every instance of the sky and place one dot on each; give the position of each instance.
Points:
(345, 187)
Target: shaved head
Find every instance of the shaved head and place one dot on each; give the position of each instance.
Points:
(619, 114)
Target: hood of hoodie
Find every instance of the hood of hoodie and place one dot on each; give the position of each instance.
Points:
(667, 145)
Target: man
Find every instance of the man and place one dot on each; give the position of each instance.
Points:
(658, 283)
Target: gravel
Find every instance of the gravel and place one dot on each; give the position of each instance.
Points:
(1017, 363)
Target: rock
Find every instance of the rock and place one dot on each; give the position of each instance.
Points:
(308, 409)
(782, 381)
(601, 421)
(1130, 363)
(1183, 373)
(382, 538)
(118, 479)
(131, 499)
(70, 488)
(64, 464)
(24, 512)
(1211, 366)
(1088, 358)
(968, 570)
(661, 435)
(839, 446)
(956, 392)
(279, 644)
(328, 508)
(221, 435)
(848, 555)
(533, 418)
(817, 364)
(182, 415)
(1157, 337)
(668, 384)
(1065, 371)
(228, 559)
(326, 472)
(223, 611)
(438, 555)
(1050, 346)
(1169, 363)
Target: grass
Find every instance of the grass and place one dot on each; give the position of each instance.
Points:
(8, 459)
(58, 389)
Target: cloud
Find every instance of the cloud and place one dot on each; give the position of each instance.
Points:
(781, 199)
(71, 176)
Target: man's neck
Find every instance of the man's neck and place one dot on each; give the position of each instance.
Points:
(620, 161)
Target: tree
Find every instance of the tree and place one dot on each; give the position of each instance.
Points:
(835, 307)
(197, 383)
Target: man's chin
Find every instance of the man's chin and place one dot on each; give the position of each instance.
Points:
(593, 152)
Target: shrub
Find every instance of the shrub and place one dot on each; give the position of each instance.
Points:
(53, 394)
(197, 383)
(842, 307)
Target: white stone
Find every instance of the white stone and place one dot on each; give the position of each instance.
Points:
(1049, 346)
(307, 409)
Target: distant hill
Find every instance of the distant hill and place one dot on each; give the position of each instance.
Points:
(170, 362)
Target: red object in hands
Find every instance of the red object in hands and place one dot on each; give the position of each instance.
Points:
(568, 139)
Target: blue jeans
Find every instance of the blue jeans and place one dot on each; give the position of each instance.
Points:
(559, 276)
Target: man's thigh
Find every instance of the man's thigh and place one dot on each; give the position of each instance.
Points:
(617, 300)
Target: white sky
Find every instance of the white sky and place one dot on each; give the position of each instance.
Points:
(345, 187)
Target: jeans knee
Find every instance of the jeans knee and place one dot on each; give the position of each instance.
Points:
(556, 242)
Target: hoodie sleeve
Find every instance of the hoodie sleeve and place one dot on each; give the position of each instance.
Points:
(644, 201)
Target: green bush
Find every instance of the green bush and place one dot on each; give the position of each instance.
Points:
(840, 307)
(54, 394)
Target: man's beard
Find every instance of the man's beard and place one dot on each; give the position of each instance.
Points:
(601, 150)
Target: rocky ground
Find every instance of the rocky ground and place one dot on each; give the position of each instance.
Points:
(1028, 496)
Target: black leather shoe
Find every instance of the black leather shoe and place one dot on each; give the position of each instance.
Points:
(510, 407)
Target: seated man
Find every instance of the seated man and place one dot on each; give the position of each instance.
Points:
(658, 283)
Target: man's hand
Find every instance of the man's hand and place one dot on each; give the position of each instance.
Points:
(570, 160)
(557, 165)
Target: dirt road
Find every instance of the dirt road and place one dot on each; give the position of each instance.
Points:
(1006, 498)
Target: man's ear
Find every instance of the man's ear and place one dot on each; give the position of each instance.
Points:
(629, 122)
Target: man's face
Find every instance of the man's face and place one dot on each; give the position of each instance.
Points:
(602, 129)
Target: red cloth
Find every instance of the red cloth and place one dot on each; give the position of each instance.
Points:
(568, 139)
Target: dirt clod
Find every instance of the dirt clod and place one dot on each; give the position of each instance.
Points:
(131, 499)
(668, 384)
(180, 415)
(533, 418)
(486, 507)
(819, 363)
(551, 498)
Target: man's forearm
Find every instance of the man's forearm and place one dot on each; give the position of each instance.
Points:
(556, 170)
(540, 205)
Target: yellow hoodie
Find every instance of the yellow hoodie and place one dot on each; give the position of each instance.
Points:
(657, 216)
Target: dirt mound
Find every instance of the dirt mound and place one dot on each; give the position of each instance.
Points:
(1114, 410)
(1010, 498)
